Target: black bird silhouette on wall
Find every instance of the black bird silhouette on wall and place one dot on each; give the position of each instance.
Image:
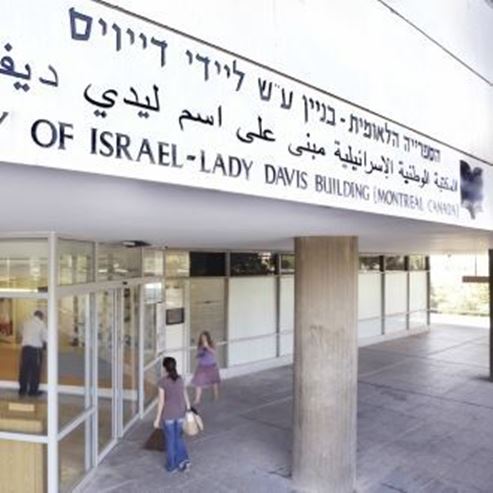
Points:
(471, 188)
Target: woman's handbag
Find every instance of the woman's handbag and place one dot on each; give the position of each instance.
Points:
(193, 424)
(155, 441)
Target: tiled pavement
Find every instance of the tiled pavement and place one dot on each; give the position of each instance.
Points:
(425, 424)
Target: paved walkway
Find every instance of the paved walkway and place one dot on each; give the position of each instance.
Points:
(425, 424)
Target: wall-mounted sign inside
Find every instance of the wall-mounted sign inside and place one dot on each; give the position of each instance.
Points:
(89, 88)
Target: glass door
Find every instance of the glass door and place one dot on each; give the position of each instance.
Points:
(106, 375)
(129, 354)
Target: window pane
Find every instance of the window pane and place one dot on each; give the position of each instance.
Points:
(151, 378)
(73, 357)
(369, 263)
(177, 264)
(396, 262)
(24, 264)
(287, 263)
(207, 264)
(117, 262)
(73, 460)
(153, 262)
(153, 320)
(75, 265)
(17, 318)
(253, 264)
(417, 262)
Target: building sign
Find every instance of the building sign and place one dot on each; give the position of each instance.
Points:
(89, 88)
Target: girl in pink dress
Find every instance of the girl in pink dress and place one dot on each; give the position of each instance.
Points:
(207, 372)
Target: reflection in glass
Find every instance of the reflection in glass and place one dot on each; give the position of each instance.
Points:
(24, 265)
(395, 262)
(153, 262)
(75, 264)
(253, 264)
(105, 377)
(151, 378)
(73, 357)
(153, 320)
(208, 313)
(288, 262)
(177, 264)
(207, 264)
(74, 462)
(14, 314)
(130, 356)
(118, 262)
(417, 262)
(369, 263)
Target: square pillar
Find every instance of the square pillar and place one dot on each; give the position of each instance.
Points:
(325, 364)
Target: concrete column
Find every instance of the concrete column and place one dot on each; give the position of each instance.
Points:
(490, 285)
(325, 368)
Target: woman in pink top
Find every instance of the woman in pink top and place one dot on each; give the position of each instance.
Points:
(207, 371)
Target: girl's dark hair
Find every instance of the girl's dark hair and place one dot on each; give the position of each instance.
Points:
(170, 365)
(207, 335)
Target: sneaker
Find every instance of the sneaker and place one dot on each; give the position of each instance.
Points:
(185, 466)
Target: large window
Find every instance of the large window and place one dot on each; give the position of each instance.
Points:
(24, 265)
(395, 262)
(19, 326)
(253, 264)
(177, 264)
(207, 264)
(76, 260)
(118, 262)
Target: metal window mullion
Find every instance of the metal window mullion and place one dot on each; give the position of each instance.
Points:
(29, 295)
(408, 297)
(120, 341)
(88, 383)
(115, 319)
(382, 288)
(23, 437)
(278, 305)
(227, 295)
(141, 351)
(95, 379)
(52, 343)
(75, 423)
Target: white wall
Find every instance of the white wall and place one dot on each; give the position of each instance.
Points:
(252, 313)
(359, 50)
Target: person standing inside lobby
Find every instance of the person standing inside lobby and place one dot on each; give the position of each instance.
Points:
(34, 336)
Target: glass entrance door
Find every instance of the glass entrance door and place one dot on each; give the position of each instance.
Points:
(117, 363)
(106, 375)
(128, 361)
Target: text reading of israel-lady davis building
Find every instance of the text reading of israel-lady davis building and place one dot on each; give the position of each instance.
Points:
(109, 93)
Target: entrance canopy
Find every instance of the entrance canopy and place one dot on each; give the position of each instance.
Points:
(115, 209)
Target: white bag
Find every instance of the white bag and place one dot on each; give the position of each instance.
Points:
(193, 424)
